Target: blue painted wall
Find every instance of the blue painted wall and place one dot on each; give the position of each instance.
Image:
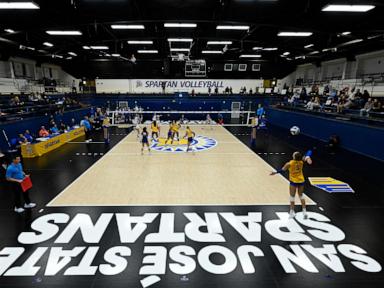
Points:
(359, 138)
(33, 124)
(173, 102)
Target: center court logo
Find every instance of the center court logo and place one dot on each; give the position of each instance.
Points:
(199, 143)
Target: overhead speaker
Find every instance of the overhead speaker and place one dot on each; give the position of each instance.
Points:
(256, 67)
(228, 67)
(242, 67)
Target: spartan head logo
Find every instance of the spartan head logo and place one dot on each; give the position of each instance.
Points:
(139, 83)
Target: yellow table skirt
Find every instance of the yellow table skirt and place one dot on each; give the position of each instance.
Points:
(41, 148)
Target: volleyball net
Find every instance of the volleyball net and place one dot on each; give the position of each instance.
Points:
(126, 118)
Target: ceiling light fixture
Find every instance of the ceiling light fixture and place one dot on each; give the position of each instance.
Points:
(99, 47)
(232, 27)
(351, 42)
(48, 44)
(147, 51)
(63, 32)
(115, 55)
(346, 33)
(9, 30)
(180, 25)
(348, 8)
(131, 27)
(18, 5)
(133, 42)
(294, 34)
(219, 42)
(286, 53)
(250, 56)
(180, 40)
(212, 52)
(270, 49)
(72, 53)
(308, 46)
(257, 48)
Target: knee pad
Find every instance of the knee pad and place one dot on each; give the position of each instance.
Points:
(291, 198)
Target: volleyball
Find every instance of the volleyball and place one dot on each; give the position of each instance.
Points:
(295, 130)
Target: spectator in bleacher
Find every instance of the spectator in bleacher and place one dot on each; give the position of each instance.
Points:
(216, 90)
(314, 90)
(333, 94)
(21, 139)
(54, 129)
(367, 107)
(28, 136)
(230, 90)
(376, 107)
(303, 93)
(43, 132)
(62, 127)
(341, 103)
(349, 102)
(365, 96)
(73, 123)
(326, 90)
(209, 91)
(294, 98)
(314, 103)
(357, 99)
(87, 128)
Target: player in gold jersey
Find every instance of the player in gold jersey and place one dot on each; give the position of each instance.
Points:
(175, 131)
(155, 129)
(296, 179)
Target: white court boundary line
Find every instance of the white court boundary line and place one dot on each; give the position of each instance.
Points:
(171, 205)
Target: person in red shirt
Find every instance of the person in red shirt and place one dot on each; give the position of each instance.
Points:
(43, 132)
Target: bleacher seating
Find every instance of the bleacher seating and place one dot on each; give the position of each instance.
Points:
(295, 98)
(16, 107)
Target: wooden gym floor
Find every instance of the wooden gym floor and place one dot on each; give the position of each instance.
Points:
(227, 174)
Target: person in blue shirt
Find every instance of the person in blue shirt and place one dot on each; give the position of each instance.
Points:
(87, 128)
(15, 175)
(21, 139)
(260, 111)
(28, 136)
(54, 129)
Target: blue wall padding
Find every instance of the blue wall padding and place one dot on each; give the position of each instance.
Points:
(363, 139)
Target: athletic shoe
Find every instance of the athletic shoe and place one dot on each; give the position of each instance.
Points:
(19, 210)
(291, 214)
(29, 205)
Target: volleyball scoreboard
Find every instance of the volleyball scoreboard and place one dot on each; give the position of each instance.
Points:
(195, 68)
